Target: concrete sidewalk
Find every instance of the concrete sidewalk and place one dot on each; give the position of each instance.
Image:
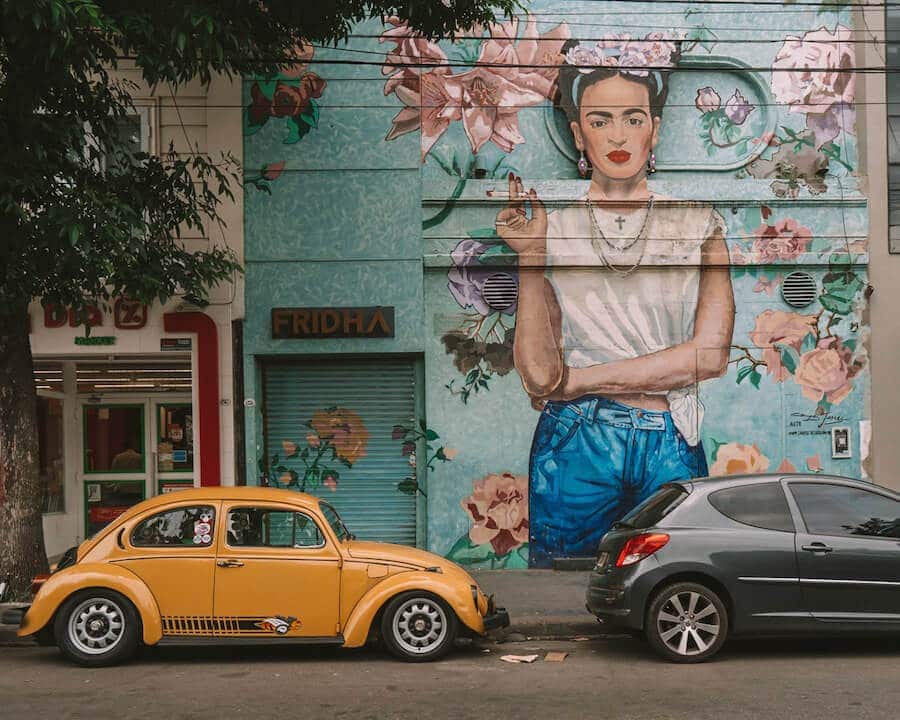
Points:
(541, 604)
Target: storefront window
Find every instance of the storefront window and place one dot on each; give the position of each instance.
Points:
(175, 447)
(107, 499)
(114, 439)
(51, 453)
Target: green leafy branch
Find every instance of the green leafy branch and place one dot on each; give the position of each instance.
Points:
(411, 436)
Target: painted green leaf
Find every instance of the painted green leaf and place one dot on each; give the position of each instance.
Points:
(408, 486)
(297, 130)
(716, 444)
(498, 251)
(741, 147)
(515, 560)
(839, 290)
(851, 343)
(311, 117)
(431, 434)
(755, 378)
(809, 343)
(790, 358)
(465, 552)
(743, 373)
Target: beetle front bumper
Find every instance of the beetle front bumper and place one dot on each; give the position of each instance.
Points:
(495, 618)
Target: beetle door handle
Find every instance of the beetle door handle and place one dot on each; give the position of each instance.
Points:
(229, 563)
(817, 547)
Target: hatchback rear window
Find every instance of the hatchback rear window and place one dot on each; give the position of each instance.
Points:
(655, 507)
(762, 506)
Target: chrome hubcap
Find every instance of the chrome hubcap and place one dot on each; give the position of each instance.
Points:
(96, 626)
(688, 623)
(419, 625)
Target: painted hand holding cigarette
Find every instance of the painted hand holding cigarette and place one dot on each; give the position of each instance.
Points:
(524, 236)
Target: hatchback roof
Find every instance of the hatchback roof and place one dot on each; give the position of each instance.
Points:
(710, 483)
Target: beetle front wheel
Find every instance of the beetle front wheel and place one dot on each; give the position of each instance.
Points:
(418, 627)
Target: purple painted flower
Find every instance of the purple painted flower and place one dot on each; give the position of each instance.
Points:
(398, 432)
(737, 109)
(467, 277)
(408, 448)
(707, 100)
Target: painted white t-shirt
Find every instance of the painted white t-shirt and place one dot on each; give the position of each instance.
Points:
(608, 317)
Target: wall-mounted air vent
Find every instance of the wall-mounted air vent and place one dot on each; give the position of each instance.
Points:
(500, 291)
(799, 289)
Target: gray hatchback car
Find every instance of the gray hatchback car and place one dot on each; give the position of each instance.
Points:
(703, 560)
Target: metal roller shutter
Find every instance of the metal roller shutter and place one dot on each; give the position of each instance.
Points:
(341, 415)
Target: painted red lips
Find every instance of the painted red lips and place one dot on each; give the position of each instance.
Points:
(619, 156)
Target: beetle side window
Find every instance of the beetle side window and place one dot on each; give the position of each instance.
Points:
(192, 526)
(267, 527)
(762, 506)
(841, 510)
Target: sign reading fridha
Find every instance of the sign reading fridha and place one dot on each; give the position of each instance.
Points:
(352, 322)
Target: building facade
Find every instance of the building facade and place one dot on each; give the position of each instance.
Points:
(450, 370)
(142, 404)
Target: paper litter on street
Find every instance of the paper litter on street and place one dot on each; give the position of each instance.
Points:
(555, 656)
(519, 658)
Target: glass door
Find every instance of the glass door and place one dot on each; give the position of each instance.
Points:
(114, 457)
(172, 440)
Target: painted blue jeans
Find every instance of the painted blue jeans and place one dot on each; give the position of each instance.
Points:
(592, 460)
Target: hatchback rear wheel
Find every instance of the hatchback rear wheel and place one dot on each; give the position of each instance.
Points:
(687, 622)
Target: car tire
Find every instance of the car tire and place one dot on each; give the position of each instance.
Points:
(418, 627)
(96, 628)
(686, 622)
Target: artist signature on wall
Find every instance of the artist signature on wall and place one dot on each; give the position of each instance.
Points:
(819, 420)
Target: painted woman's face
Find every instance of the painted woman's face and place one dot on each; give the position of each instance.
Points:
(615, 128)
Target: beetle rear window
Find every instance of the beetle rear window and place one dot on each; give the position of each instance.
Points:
(191, 526)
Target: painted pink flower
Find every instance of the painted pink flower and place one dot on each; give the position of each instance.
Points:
(498, 508)
(786, 467)
(273, 171)
(330, 481)
(826, 371)
(767, 285)
(785, 240)
(814, 75)
(289, 447)
(707, 100)
(487, 98)
(344, 429)
(768, 139)
(814, 463)
(738, 459)
(783, 328)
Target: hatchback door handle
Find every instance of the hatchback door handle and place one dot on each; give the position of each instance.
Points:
(229, 563)
(817, 547)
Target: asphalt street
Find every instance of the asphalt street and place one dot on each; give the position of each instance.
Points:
(616, 678)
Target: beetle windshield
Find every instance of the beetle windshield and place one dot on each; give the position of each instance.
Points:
(335, 521)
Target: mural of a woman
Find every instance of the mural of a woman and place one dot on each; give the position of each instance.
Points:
(625, 304)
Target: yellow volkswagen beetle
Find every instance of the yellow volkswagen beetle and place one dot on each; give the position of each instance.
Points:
(250, 565)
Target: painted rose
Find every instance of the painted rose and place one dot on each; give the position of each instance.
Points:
(707, 100)
(290, 448)
(826, 92)
(290, 100)
(826, 371)
(785, 240)
(783, 328)
(737, 109)
(498, 509)
(345, 431)
(739, 459)
(466, 279)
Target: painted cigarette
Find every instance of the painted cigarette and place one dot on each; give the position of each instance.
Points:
(504, 194)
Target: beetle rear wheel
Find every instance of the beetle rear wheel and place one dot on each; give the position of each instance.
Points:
(97, 627)
(418, 627)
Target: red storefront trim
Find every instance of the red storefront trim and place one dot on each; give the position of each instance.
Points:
(207, 387)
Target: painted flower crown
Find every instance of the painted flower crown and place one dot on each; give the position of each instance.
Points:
(655, 52)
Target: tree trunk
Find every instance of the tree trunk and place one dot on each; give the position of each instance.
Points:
(22, 554)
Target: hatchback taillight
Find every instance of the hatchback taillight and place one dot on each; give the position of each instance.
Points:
(639, 547)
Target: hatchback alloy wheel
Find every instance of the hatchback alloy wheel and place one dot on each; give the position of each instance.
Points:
(687, 622)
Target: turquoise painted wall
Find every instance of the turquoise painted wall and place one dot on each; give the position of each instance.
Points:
(338, 215)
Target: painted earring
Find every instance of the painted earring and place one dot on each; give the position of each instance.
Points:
(582, 165)
(651, 163)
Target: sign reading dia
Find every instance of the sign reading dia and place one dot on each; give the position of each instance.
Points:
(372, 322)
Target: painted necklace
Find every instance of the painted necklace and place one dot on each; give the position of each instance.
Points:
(598, 239)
